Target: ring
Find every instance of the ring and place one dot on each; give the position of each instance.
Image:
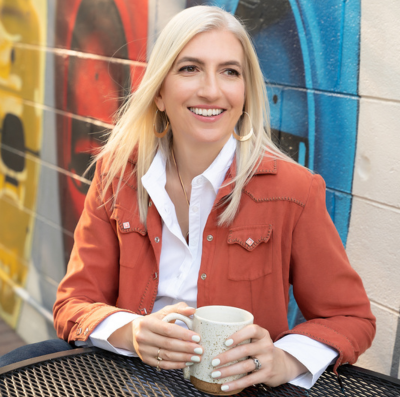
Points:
(158, 358)
(256, 363)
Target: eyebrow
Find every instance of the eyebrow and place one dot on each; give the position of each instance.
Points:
(200, 62)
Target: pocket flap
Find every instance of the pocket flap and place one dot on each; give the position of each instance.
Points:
(250, 237)
(127, 221)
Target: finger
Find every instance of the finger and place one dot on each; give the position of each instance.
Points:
(242, 383)
(252, 331)
(172, 344)
(243, 351)
(242, 367)
(167, 355)
(156, 326)
(178, 332)
(181, 308)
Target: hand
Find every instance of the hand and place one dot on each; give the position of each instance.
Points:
(277, 366)
(146, 335)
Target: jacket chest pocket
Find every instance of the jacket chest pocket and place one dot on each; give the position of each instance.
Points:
(132, 236)
(250, 252)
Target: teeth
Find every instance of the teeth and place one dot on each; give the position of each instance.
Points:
(206, 112)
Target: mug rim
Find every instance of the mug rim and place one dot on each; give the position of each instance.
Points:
(246, 312)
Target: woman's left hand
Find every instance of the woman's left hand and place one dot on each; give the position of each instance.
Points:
(277, 366)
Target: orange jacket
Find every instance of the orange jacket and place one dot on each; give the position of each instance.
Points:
(114, 262)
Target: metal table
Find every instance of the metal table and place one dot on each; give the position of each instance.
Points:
(95, 372)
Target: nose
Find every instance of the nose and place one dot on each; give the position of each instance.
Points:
(210, 88)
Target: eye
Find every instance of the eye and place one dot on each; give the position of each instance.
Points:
(188, 68)
(232, 72)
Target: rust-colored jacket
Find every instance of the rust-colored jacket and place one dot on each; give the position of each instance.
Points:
(114, 262)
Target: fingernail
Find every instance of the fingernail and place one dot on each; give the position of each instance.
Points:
(215, 362)
(189, 364)
(196, 359)
(196, 338)
(216, 374)
(228, 343)
(198, 350)
(189, 307)
(225, 388)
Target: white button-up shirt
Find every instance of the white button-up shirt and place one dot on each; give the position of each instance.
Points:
(180, 262)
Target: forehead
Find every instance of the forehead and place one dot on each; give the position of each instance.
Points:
(214, 45)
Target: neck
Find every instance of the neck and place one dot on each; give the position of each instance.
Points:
(193, 161)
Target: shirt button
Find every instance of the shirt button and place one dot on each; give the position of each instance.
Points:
(195, 209)
(79, 331)
(198, 182)
(203, 276)
(150, 203)
(210, 237)
(157, 239)
(86, 331)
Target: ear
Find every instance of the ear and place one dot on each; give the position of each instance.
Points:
(158, 99)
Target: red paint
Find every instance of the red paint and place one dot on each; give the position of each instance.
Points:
(92, 87)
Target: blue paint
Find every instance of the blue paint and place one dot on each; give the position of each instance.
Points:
(339, 206)
(310, 60)
(302, 153)
(227, 5)
(308, 82)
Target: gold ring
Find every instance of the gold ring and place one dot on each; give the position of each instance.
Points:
(158, 358)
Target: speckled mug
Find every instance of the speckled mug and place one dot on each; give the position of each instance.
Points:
(214, 324)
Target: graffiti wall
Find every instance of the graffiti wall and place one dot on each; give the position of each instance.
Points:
(331, 72)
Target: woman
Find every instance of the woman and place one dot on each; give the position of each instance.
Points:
(191, 202)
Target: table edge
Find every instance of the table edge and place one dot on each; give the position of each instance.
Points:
(52, 356)
(373, 373)
(87, 350)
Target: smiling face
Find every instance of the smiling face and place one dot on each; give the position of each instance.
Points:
(203, 93)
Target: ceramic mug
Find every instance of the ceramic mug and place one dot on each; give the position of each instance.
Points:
(214, 324)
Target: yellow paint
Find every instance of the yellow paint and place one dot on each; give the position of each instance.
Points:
(21, 79)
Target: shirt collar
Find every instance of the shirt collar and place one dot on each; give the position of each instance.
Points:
(215, 173)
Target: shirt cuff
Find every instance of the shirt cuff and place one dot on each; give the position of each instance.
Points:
(314, 355)
(102, 332)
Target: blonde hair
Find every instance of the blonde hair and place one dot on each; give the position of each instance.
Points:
(134, 127)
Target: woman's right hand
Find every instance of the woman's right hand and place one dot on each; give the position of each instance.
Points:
(146, 335)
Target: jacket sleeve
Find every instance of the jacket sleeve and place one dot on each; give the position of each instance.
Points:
(329, 292)
(88, 293)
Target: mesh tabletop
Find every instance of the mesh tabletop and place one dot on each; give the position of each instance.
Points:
(94, 372)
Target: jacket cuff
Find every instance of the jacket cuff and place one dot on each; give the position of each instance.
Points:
(82, 330)
(329, 336)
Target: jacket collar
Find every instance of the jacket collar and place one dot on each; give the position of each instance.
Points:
(265, 167)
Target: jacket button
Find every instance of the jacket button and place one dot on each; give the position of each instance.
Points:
(203, 276)
(86, 331)
(79, 331)
(157, 239)
(210, 237)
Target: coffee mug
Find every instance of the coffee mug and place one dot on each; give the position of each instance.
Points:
(214, 324)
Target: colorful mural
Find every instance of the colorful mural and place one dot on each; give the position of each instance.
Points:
(66, 66)
(21, 84)
(93, 87)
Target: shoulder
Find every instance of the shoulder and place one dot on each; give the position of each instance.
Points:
(126, 174)
(277, 179)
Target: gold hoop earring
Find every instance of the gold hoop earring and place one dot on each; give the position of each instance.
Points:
(163, 133)
(244, 137)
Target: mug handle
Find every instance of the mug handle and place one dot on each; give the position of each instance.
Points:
(176, 316)
(189, 323)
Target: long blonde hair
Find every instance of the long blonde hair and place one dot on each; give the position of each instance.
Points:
(134, 126)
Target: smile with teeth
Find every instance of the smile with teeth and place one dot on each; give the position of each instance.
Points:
(206, 112)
